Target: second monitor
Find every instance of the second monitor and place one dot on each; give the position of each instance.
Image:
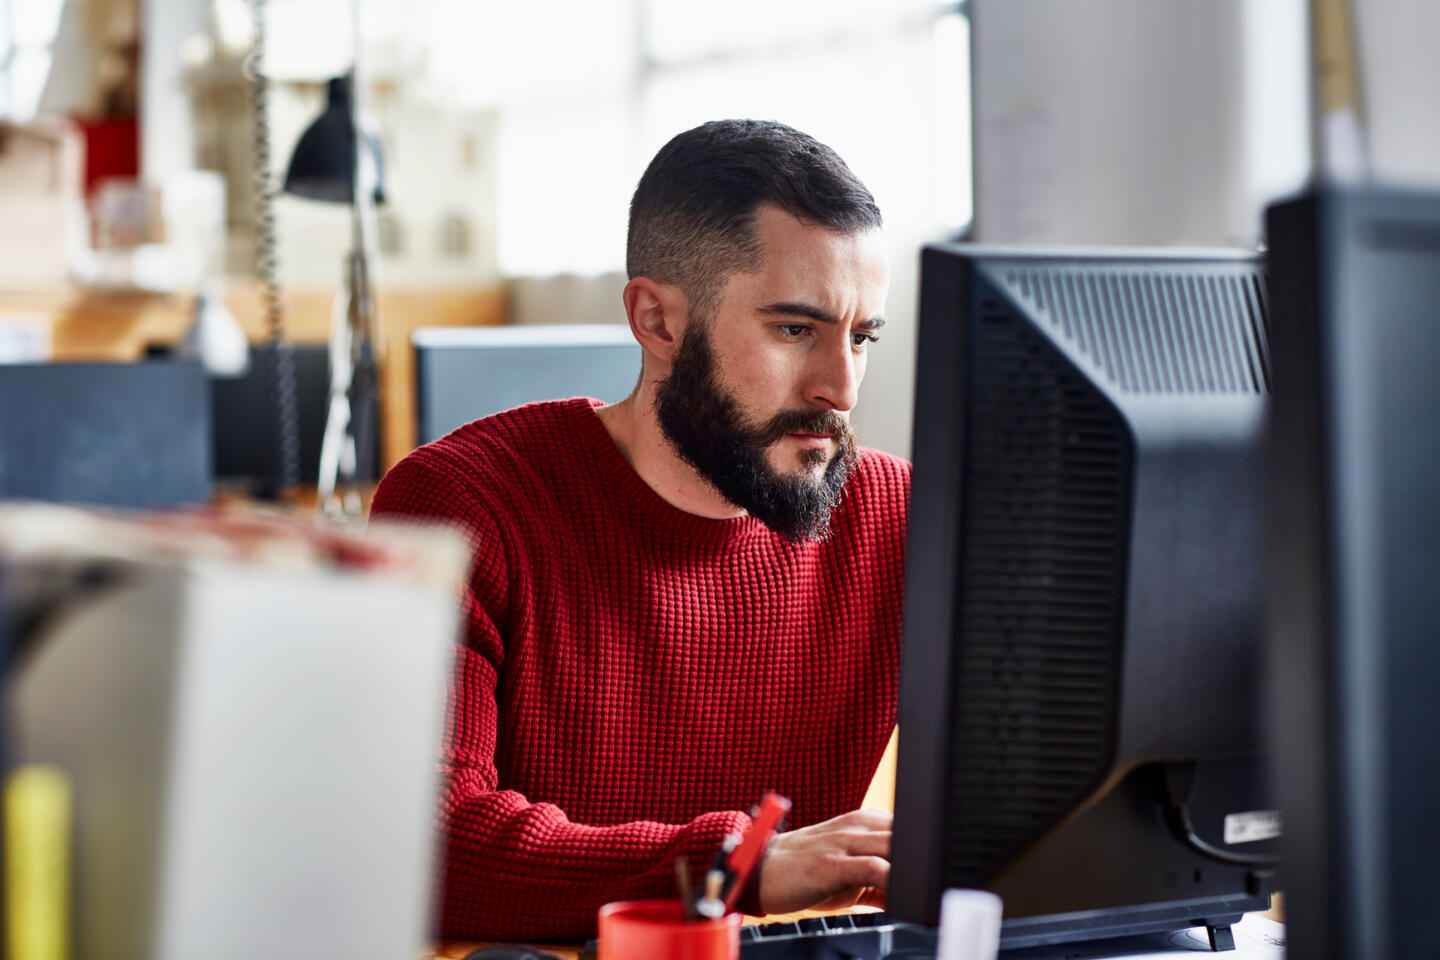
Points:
(462, 374)
(1079, 710)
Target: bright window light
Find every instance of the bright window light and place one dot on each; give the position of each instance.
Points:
(885, 82)
(27, 28)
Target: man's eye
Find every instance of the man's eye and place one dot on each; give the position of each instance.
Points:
(862, 339)
(794, 330)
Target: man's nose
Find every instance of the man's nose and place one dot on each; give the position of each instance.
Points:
(834, 378)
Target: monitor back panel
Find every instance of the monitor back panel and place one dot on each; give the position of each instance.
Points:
(107, 434)
(465, 374)
(1082, 583)
(245, 444)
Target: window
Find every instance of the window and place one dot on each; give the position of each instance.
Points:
(587, 93)
(27, 30)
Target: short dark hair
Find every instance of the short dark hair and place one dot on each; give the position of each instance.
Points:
(692, 218)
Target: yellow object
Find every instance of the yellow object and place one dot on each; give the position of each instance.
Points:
(881, 795)
(37, 863)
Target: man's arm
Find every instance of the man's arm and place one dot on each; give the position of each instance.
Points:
(512, 869)
(509, 868)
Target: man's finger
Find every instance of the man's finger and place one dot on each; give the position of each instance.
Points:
(866, 872)
(867, 843)
(874, 819)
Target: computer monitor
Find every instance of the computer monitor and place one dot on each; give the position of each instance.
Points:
(106, 434)
(243, 424)
(464, 373)
(1080, 705)
(1356, 534)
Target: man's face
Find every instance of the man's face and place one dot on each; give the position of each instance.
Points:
(759, 395)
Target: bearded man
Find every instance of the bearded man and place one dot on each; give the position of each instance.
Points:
(692, 596)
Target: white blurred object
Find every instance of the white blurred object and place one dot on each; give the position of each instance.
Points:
(1129, 122)
(165, 237)
(969, 925)
(215, 337)
(124, 213)
(250, 711)
(25, 339)
(42, 199)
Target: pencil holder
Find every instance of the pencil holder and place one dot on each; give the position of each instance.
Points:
(657, 930)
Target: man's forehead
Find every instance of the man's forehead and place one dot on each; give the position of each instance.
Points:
(802, 262)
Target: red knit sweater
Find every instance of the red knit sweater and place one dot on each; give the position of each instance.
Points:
(633, 676)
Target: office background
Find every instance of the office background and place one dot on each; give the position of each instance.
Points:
(514, 133)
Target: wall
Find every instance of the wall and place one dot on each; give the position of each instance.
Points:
(1136, 121)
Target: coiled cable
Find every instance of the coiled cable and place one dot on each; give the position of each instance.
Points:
(279, 356)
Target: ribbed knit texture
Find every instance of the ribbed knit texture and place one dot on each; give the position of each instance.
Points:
(633, 676)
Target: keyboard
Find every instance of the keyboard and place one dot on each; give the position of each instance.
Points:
(859, 936)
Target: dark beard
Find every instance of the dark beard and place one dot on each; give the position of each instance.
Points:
(704, 425)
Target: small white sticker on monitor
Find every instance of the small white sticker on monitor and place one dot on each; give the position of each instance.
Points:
(1252, 826)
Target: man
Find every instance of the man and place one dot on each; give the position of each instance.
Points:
(691, 596)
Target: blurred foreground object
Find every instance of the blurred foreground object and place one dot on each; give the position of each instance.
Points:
(1355, 544)
(249, 711)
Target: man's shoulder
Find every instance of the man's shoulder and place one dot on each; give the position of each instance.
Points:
(532, 431)
(499, 454)
(880, 473)
(877, 496)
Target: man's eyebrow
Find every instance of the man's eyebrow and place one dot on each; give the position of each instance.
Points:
(811, 312)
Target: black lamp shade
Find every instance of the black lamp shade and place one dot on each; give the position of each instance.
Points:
(323, 165)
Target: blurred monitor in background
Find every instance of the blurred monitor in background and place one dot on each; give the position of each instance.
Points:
(107, 434)
(463, 374)
(245, 446)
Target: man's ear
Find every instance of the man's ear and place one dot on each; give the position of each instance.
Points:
(657, 313)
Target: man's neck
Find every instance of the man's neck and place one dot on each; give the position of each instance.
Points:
(636, 430)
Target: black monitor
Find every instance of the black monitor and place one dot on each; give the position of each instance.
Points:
(1080, 707)
(1356, 605)
(244, 423)
(106, 434)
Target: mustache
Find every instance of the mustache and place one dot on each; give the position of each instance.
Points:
(803, 421)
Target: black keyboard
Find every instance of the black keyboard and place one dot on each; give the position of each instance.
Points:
(858, 936)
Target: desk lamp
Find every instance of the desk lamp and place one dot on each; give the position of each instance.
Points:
(326, 166)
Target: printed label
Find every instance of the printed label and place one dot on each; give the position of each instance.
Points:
(1252, 826)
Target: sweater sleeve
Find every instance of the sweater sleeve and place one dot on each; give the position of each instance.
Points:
(510, 869)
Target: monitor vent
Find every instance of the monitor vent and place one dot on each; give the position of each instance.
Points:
(1041, 574)
(1156, 330)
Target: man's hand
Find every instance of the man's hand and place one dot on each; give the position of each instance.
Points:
(840, 863)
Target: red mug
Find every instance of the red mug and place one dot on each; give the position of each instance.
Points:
(658, 930)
